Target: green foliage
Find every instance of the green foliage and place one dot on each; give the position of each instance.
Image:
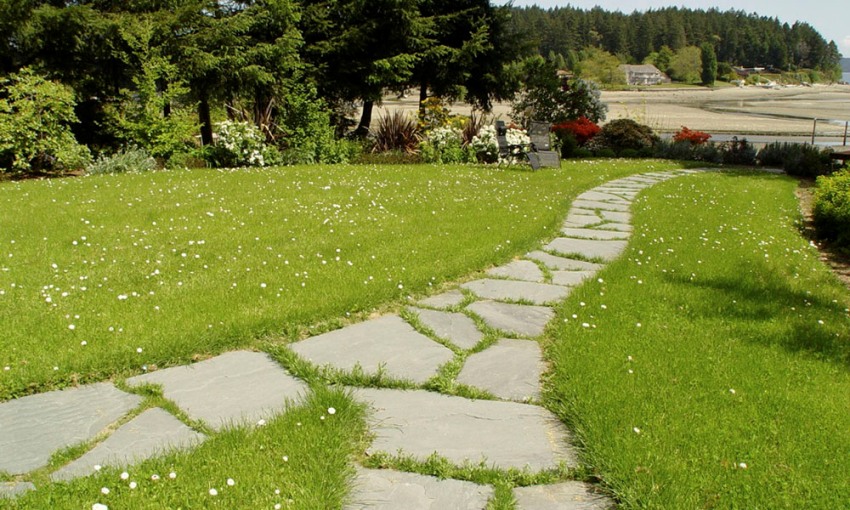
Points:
(545, 97)
(831, 211)
(601, 67)
(445, 145)
(129, 159)
(396, 131)
(622, 134)
(240, 144)
(35, 125)
(305, 131)
(802, 160)
(709, 64)
(686, 65)
(661, 58)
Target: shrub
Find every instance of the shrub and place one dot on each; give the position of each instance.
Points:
(738, 152)
(35, 119)
(582, 129)
(130, 159)
(622, 134)
(802, 160)
(396, 131)
(305, 132)
(691, 136)
(567, 144)
(831, 212)
(485, 146)
(240, 144)
(444, 145)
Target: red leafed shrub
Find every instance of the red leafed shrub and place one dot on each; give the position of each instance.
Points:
(582, 129)
(689, 135)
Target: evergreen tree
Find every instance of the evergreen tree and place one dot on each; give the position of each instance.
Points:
(709, 64)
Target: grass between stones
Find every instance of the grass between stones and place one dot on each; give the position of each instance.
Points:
(709, 367)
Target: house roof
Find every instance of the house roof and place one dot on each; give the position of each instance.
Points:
(642, 68)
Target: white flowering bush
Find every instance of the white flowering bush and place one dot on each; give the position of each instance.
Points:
(485, 145)
(445, 145)
(519, 142)
(242, 144)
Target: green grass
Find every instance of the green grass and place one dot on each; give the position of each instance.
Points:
(107, 275)
(716, 374)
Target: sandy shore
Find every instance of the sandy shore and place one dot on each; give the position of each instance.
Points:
(788, 111)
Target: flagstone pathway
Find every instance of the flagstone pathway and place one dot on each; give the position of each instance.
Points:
(514, 301)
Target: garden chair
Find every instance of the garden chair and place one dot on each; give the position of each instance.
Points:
(541, 154)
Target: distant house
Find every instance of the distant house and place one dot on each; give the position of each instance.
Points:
(745, 72)
(646, 74)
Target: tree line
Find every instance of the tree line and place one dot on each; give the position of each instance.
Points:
(738, 38)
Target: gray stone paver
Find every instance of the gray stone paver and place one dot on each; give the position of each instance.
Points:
(518, 270)
(620, 227)
(386, 343)
(602, 206)
(592, 233)
(525, 320)
(454, 327)
(509, 369)
(562, 496)
(604, 250)
(571, 278)
(151, 433)
(616, 216)
(11, 490)
(386, 489)
(600, 196)
(445, 300)
(237, 387)
(500, 434)
(582, 220)
(563, 263)
(33, 428)
(536, 293)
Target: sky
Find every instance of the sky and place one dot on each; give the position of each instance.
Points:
(829, 17)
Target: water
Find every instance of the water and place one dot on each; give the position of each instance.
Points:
(845, 77)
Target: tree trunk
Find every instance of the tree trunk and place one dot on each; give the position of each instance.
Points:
(205, 119)
(365, 120)
(423, 96)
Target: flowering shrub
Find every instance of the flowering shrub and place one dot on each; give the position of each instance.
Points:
(242, 144)
(485, 145)
(519, 143)
(582, 129)
(444, 145)
(691, 136)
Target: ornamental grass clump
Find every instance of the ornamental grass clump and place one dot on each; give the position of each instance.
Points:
(396, 131)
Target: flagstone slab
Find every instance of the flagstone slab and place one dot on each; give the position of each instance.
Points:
(387, 343)
(525, 320)
(500, 434)
(619, 227)
(387, 489)
(571, 278)
(509, 369)
(454, 327)
(536, 293)
(604, 250)
(444, 300)
(33, 428)
(235, 388)
(601, 206)
(11, 490)
(151, 433)
(582, 220)
(597, 195)
(518, 270)
(563, 263)
(562, 496)
(592, 233)
(616, 216)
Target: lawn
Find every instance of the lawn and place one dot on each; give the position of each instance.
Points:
(714, 369)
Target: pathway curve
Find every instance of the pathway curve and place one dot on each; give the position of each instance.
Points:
(514, 303)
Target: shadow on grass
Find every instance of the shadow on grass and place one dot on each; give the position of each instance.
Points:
(763, 296)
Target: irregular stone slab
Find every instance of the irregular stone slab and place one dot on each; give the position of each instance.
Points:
(592, 233)
(500, 434)
(151, 433)
(596, 195)
(522, 320)
(619, 227)
(537, 293)
(509, 369)
(617, 217)
(562, 496)
(584, 212)
(582, 220)
(518, 270)
(387, 342)
(11, 490)
(386, 489)
(454, 327)
(235, 388)
(444, 300)
(601, 206)
(571, 278)
(562, 263)
(627, 194)
(33, 428)
(605, 250)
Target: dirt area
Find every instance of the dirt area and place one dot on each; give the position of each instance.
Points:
(840, 264)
